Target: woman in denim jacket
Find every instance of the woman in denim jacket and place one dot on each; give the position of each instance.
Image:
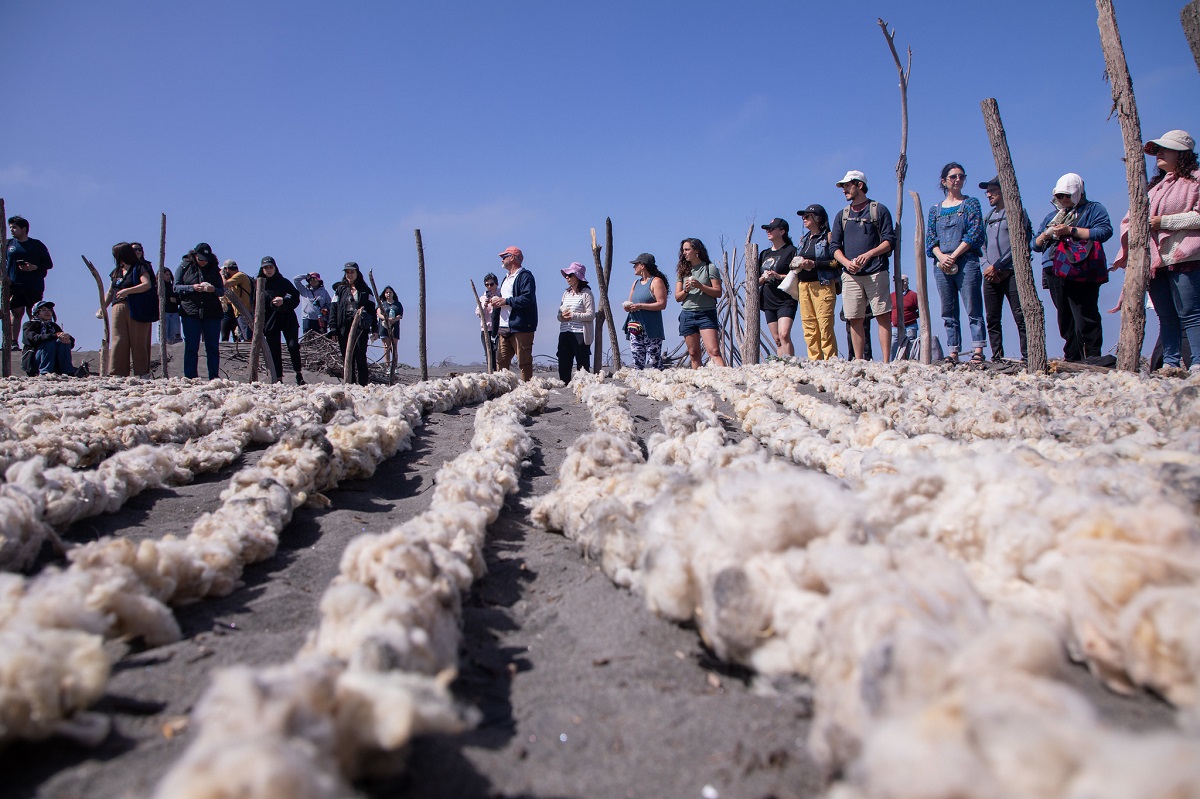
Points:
(954, 237)
(820, 277)
(1075, 219)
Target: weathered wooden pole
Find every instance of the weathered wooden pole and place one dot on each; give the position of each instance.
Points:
(162, 293)
(6, 357)
(751, 349)
(1190, 18)
(256, 320)
(1137, 269)
(922, 282)
(1031, 303)
(421, 326)
(101, 314)
(901, 173)
(352, 345)
(485, 335)
(604, 315)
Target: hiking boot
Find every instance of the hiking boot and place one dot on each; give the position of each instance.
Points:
(299, 379)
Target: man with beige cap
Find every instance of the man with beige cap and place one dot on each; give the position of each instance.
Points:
(518, 313)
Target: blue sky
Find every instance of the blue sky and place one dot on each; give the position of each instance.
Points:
(322, 133)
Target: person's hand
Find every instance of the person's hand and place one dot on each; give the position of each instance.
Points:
(565, 315)
(947, 263)
(862, 261)
(65, 337)
(1118, 263)
(1156, 223)
(277, 301)
(807, 264)
(25, 266)
(1059, 231)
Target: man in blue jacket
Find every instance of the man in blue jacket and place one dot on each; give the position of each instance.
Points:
(518, 313)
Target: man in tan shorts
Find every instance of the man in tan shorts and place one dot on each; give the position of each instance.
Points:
(863, 237)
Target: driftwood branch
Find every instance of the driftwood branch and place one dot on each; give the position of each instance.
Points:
(352, 345)
(1137, 270)
(103, 315)
(6, 356)
(162, 293)
(258, 342)
(603, 272)
(421, 326)
(901, 173)
(922, 282)
(751, 349)
(1189, 17)
(1031, 303)
(487, 348)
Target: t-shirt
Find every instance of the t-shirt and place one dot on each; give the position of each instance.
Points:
(769, 295)
(697, 300)
(857, 235)
(31, 251)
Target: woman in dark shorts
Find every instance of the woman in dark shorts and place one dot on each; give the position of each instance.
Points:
(777, 306)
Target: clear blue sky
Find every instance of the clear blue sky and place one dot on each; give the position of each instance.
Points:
(322, 133)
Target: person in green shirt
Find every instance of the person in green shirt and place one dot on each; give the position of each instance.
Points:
(697, 288)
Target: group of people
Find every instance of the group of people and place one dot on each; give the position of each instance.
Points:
(203, 303)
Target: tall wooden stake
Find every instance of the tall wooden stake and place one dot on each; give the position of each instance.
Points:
(484, 336)
(352, 345)
(901, 173)
(1031, 303)
(103, 315)
(922, 284)
(1190, 18)
(421, 306)
(162, 294)
(1137, 270)
(257, 320)
(605, 316)
(751, 349)
(6, 356)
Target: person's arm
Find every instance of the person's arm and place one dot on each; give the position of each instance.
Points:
(658, 288)
(141, 287)
(298, 282)
(713, 289)
(837, 241)
(680, 291)
(587, 311)
(975, 235)
(931, 238)
(1043, 239)
(180, 286)
(1096, 225)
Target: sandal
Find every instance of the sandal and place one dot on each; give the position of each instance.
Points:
(951, 359)
(976, 358)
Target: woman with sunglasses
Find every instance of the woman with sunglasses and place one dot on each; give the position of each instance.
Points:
(1174, 245)
(820, 275)
(134, 304)
(777, 306)
(489, 325)
(1075, 224)
(954, 238)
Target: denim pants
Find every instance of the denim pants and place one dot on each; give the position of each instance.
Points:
(1176, 298)
(967, 284)
(174, 330)
(54, 358)
(193, 329)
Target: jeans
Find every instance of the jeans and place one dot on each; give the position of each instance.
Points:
(309, 324)
(174, 329)
(964, 284)
(193, 329)
(54, 358)
(994, 295)
(1176, 298)
(911, 333)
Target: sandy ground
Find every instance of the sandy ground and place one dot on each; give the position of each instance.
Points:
(582, 691)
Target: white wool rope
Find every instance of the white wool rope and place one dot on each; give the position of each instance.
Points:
(115, 587)
(375, 671)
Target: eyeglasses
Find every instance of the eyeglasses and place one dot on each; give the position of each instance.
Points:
(137, 249)
(957, 177)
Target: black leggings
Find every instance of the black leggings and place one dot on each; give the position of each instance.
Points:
(571, 348)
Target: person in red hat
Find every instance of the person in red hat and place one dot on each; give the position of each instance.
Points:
(518, 313)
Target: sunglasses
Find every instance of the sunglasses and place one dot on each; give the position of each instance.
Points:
(489, 285)
(957, 177)
(1062, 196)
(506, 256)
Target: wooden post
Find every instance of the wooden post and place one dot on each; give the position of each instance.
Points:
(352, 345)
(6, 357)
(901, 173)
(103, 315)
(1137, 270)
(1031, 303)
(1190, 18)
(421, 306)
(603, 272)
(258, 343)
(162, 293)
(751, 349)
(484, 335)
(922, 282)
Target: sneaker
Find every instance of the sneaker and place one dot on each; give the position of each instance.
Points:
(299, 379)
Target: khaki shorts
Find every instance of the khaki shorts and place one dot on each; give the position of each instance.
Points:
(861, 293)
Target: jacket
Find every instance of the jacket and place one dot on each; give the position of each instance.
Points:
(523, 310)
(200, 305)
(1094, 217)
(282, 317)
(346, 306)
(314, 303)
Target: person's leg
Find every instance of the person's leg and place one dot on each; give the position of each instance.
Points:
(211, 329)
(227, 324)
(654, 353)
(1170, 332)
(1186, 293)
(174, 329)
(506, 350)
(15, 314)
(276, 349)
(638, 350)
(1010, 291)
(191, 345)
(947, 286)
(857, 338)
(244, 326)
(884, 322)
(993, 305)
(45, 356)
(807, 308)
(139, 344)
(785, 334)
(971, 295)
(1085, 305)
(692, 343)
(62, 359)
(119, 347)
(362, 373)
(712, 345)
(824, 303)
(292, 340)
(525, 355)
(566, 354)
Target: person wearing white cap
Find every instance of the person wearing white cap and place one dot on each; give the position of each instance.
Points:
(576, 313)
(1174, 244)
(863, 236)
(1073, 265)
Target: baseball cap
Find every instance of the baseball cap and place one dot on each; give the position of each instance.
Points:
(1174, 140)
(41, 305)
(267, 260)
(993, 182)
(646, 259)
(777, 222)
(853, 174)
(314, 275)
(513, 251)
(351, 265)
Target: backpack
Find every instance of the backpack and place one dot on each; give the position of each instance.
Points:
(873, 212)
(29, 362)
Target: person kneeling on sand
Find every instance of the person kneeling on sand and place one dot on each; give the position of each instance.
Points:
(47, 347)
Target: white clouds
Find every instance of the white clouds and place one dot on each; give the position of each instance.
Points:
(19, 175)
